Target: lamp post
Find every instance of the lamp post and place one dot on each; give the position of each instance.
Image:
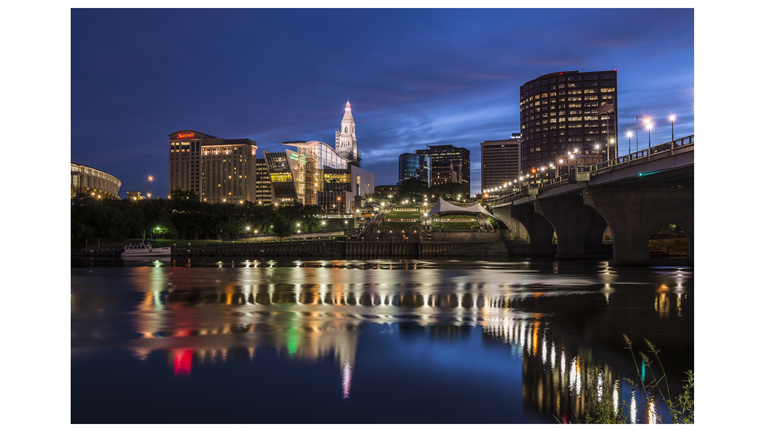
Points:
(629, 142)
(672, 119)
(649, 126)
(338, 201)
(149, 179)
(611, 142)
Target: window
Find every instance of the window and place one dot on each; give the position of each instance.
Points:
(606, 76)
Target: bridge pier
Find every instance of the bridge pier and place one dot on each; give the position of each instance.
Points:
(633, 213)
(579, 228)
(529, 232)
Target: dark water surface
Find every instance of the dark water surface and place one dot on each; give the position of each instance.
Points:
(376, 341)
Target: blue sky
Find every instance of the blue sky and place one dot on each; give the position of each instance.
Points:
(414, 77)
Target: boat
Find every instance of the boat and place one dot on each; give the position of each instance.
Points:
(145, 250)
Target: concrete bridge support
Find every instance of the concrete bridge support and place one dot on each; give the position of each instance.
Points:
(529, 232)
(579, 228)
(633, 213)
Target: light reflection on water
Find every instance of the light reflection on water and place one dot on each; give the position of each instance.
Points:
(557, 320)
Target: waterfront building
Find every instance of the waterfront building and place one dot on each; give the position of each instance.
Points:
(458, 156)
(315, 174)
(567, 112)
(216, 169)
(499, 164)
(346, 140)
(93, 182)
(412, 165)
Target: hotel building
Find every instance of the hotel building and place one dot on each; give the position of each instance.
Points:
(567, 112)
(499, 163)
(93, 182)
(217, 169)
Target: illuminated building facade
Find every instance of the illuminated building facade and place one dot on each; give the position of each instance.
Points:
(263, 184)
(566, 112)
(499, 164)
(216, 169)
(458, 156)
(93, 182)
(314, 174)
(346, 140)
(411, 165)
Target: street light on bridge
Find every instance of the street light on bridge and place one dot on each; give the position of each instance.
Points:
(672, 120)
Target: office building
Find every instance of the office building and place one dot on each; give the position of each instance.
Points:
(411, 165)
(499, 164)
(93, 182)
(566, 112)
(314, 174)
(445, 172)
(263, 194)
(216, 169)
(458, 156)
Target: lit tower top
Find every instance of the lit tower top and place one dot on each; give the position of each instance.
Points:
(346, 140)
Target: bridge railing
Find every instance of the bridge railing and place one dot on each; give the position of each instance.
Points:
(526, 188)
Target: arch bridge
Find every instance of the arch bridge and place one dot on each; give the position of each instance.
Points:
(631, 194)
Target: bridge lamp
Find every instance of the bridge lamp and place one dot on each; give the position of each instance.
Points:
(672, 120)
(629, 142)
(649, 126)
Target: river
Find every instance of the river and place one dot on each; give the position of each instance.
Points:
(375, 341)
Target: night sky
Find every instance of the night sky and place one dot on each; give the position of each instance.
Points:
(414, 77)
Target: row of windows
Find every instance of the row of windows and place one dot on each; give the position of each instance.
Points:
(569, 78)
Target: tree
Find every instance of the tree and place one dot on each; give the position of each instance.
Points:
(413, 189)
(282, 226)
(181, 194)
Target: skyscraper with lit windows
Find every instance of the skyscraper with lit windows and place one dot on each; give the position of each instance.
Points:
(567, 112)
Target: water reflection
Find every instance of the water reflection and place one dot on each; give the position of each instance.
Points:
(314, 310)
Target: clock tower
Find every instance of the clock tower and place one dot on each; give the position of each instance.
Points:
(346, 140)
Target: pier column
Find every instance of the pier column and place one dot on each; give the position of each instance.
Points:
(633, 213)
(537, 238)
(579, 227)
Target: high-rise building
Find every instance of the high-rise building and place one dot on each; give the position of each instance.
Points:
(567, 112)
(499, 164)
(263, 184)
(314, 174)
(458, 156)
(216, 169)
(93, 182)
(411, 165)
(346, 140)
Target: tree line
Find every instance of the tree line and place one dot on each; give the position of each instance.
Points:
(184, 216)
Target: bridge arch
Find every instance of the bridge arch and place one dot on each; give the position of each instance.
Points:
(593, 238)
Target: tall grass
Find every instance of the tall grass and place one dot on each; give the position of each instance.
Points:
(599, 408)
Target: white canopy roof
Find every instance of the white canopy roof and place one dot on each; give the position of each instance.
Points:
(443, 206)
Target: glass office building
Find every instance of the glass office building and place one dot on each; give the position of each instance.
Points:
(411, 165)
(314, 174)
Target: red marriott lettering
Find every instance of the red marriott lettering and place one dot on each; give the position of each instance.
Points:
(186, 135)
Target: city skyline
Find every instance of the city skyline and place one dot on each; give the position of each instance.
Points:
(414, 77)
